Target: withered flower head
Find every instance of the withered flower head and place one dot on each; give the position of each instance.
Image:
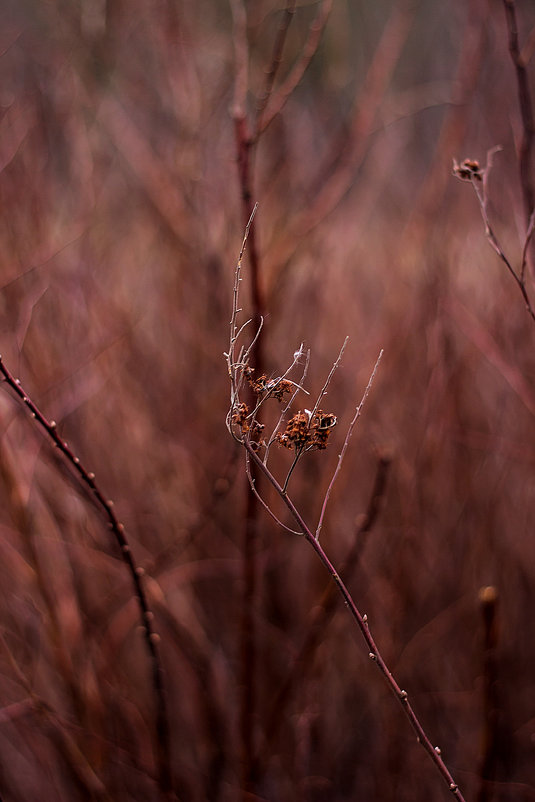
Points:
(239, 416)
(468, 170)
(307, 430)
(274, 388)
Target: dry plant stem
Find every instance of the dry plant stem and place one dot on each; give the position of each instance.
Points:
(278, 47)
(362, 623)
(136, 573)
(76, 762)
(348, 156)
(326, 606)
(526, 110)
(277, 101)
(248, 658)
(346, 443)
(488, 598)
(493, 241)
(332, 371)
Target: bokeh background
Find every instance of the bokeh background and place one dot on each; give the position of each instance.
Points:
(122, 218)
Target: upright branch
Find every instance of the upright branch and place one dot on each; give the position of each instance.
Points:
(304, 431)
(136, 572)
(276, 59)
(526, 111)
(272, 103)
(356, 416)
(470, 170)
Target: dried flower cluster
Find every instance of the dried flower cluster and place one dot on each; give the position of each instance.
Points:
(307, 430)
(242, 418)
(468, 170)
(304, 431)
(273, 388)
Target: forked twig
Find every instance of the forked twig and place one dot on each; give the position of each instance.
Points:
(277, 100)
(471, 171)
(276, 59)
(245, 429)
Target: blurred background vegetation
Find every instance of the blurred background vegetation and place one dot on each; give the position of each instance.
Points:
(122, 220)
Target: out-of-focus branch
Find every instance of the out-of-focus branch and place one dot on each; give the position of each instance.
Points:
(280, 97)
(336, 175)
(526, 111)
(136, 573)
(276, 59)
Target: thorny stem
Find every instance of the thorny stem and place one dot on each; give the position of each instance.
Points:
(362, 623)
(136, 572)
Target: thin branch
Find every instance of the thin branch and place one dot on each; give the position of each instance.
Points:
(279, 99)
(526, 110)
(276, 59)
(362, 622)
(241, 57)
(529, 234)
(346, 443)
(471, 171)
(136, 573)
(326, 606)
(265, 505)
(333, 370)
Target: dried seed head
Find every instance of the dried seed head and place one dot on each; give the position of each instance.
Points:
(468, 170)
(308, 430)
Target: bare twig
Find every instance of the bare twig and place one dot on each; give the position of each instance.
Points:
(136, 572)
(470, 170)
(346, 443)
(271, 72)
(279, 99)
(326, 607)
(332, 371)
(526, 110)
(246, 436)
(362, 622)
(264, 503)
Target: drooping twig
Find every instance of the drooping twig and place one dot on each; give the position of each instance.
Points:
(135, 571)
